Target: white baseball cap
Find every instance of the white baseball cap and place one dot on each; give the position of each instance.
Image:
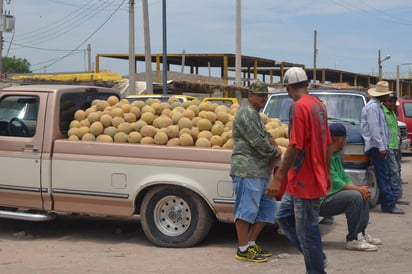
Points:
(295, 75)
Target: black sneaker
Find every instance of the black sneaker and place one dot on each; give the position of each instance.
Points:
(260, 251)
(250, 255)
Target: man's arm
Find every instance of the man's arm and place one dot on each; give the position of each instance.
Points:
(289, 158)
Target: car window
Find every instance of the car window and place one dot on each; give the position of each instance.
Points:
(343, 107)
(407, 107)
(19, 115)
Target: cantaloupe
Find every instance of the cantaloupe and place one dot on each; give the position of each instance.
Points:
(184, 123)
(139, 124)
(211, 116)
(74, 123)
(160, 138)
(205, 134)
(139, 104)
(194, 108)
(148, 131)
(117, 112)
(74, 131)
(222, 116)
(217, 140)
(80, 115)
(126, 107)
(116, 121)
(136, 111)
(228, 144)
(104, 138)
(217, 129)
(88, 137)
(74, 138)
(203, 142)
(148, 117)
(129, 117)
(148, 108)
(204, 124)
(96, 128)
(188, 113)
(157, 106)
(111, 131)
(206, 106)
(162, 121)
(84, 123)
(134, 137)
(147, 140)
(186, 139)
(121, 137)
(82, 131)
(173, 142)
(124, 127)
(176, 116)
(106, 120)
(172, 131)
(112, 100)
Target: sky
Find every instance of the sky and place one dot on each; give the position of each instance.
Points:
(53, 34)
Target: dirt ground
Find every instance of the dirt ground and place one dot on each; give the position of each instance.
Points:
(97, 245)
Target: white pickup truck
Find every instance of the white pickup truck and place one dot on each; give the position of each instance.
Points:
(177, 191)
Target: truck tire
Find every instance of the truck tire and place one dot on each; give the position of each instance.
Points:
(374, 188)
(174, 217)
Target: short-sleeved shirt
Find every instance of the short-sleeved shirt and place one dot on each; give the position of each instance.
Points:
(309, 133)
(252, 151)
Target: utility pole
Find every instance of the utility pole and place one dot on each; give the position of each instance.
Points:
(147, 49)
(380, 61)
(238, 60)
(89, 60)
(164, 49)
(315, 52)
(132, 54)
(1, 42)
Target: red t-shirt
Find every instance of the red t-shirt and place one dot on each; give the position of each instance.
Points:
(309, 133)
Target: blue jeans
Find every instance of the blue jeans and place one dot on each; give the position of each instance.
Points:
(394, 174)
(381, 167)
(356, 210)
(298, 218)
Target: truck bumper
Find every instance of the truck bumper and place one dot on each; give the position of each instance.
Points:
(359, 177)
(405, 144)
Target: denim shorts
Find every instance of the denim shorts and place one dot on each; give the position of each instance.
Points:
(252, 205)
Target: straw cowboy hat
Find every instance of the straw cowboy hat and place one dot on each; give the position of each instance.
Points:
(381, 89)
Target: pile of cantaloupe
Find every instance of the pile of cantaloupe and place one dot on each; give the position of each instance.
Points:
(172, 123)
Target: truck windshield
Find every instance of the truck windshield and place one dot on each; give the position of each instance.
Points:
(341, 106)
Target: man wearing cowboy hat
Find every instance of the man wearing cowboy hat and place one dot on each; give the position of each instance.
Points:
(377, 135)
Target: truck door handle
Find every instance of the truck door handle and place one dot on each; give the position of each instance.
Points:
(30, 148)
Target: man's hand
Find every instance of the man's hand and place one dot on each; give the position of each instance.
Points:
(365, 192)
(382, 154)
(273, 187)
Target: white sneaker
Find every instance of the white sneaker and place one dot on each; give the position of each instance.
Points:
(360, 245)
(372, 240)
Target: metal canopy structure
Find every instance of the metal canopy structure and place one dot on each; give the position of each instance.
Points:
(251, 66)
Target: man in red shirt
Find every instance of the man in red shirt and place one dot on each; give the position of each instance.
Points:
(306, 163)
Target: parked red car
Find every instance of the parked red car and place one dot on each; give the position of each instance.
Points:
(405, 114)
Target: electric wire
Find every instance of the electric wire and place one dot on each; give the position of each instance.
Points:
(87, 38)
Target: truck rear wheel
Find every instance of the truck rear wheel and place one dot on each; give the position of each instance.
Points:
(374, 188)
(174, 217)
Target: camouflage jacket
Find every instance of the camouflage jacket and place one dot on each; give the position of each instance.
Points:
(252, 152)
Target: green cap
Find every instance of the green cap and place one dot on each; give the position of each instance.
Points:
(259, 87)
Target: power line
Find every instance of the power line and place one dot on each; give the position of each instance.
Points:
(84, 41)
